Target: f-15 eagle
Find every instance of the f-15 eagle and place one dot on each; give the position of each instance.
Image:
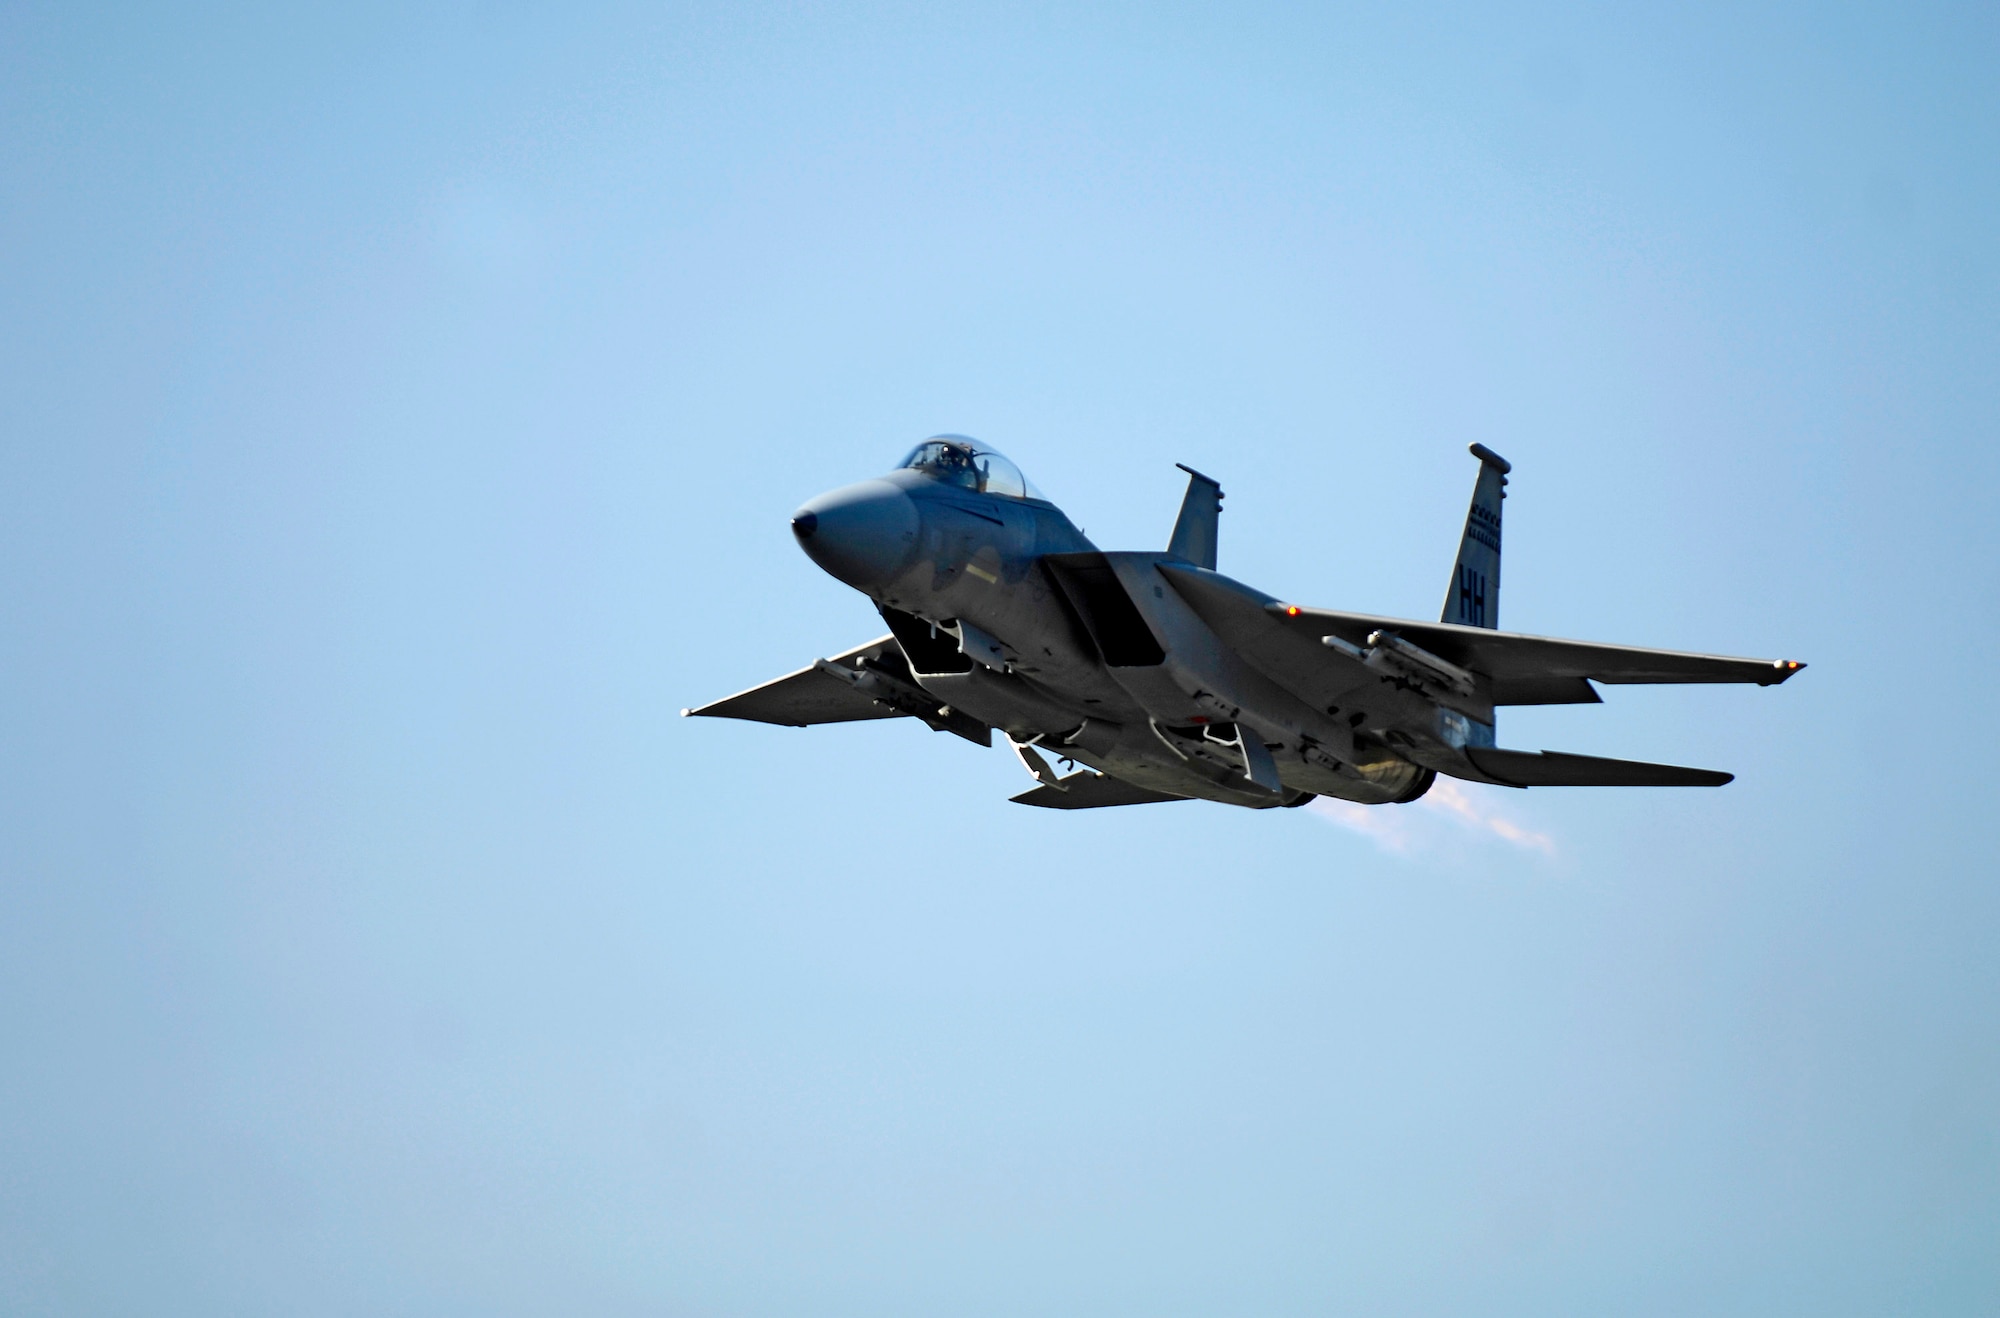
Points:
(1171, 681)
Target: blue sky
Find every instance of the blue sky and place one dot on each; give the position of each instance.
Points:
(399, 416)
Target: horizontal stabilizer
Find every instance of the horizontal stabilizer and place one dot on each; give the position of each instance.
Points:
(1088, 791)
(1555, 769)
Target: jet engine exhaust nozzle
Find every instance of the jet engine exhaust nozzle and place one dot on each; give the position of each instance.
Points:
(864, 535)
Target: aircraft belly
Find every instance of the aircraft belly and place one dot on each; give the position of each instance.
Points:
(1162, 773)
(1022, 709)
(1377, 781)
(1053, 686)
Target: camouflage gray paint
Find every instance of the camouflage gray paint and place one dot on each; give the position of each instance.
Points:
(1170, 680)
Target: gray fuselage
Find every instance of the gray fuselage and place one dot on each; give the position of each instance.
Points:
(1010, 616)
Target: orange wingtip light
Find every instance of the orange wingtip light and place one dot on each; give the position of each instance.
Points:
(1291, 610)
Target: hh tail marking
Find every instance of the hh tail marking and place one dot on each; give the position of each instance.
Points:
(1473, 598)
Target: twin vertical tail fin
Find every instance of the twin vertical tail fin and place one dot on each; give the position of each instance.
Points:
(1473, 598)
(1195, 530)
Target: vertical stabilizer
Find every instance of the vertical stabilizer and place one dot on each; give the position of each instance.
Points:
(1201, 511)
(1473, 598)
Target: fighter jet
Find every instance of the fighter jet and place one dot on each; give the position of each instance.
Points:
(1169, 681)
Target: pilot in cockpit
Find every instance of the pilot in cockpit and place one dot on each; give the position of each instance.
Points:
(956, 460)
(953, 464)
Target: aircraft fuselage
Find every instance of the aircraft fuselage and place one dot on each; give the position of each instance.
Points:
(1008, 614)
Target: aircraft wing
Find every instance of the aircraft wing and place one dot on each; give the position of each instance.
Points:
(1285, 641)
(868, 682)
(811, 695)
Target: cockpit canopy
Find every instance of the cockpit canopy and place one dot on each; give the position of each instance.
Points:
(970, 465)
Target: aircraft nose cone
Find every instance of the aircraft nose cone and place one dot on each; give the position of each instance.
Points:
(864, 534)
